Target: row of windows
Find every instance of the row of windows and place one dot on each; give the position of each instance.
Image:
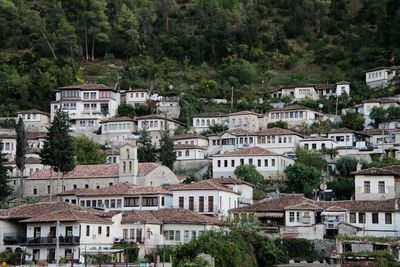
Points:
(136, 95)
(186, 142)
(70, 93)
(179, 153)
(135, 234)
(86, 123)
(304, 91)
(314, 146)
(295, 216)
(204, 122)
(28, 116)
(172, 235)
(74, 186)
(273, 139)
(287, 115)
(250, 161)
(375, 74)
(69, 106)
(89, 95)
(92, 106)
(99, 230)
(374, 217)
(100, 203)
(116, 126)
(341, 138)
(6, 146)
(381, 187)
(151, 124)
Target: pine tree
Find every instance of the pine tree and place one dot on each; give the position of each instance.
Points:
(58, 148)
(146, 150)
(167, 153)
(21, 152)
(5, 188)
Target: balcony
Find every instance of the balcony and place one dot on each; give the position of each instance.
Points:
(70, 240)
(14, 239)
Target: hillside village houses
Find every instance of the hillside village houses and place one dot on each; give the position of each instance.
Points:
(380, 76)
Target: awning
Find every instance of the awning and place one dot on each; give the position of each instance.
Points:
(333, 213)
(269, 214)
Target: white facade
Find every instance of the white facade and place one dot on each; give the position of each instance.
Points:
(136, 97)
(8, 146)
(293, 115)
(202, 122)
(34, 120)
(379, 77)
(278, 140)
(117, 131)
(317, 143)
(246, 120)
(154, 124)
(376, 187)
(189, 152)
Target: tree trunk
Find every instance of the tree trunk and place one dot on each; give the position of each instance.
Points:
(49, 45)
(86, 43)
(94, 38)
(22, 181)
(51, 183)
(72, 56)
(58, 182)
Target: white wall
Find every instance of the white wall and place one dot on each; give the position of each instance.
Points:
(374, 187)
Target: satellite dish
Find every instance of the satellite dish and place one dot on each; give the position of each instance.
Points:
(323, 186)
(321, 106)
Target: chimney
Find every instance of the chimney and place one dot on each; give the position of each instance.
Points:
(396, 204)
(359, 166)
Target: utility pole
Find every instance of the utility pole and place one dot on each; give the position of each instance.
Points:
(231, 98)
(58, 244)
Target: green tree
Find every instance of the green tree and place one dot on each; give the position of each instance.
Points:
(126, 35)
(353, 120)
(311, 158)
(58, 147)
(21, 152)
(346, 165)
(279, 124)
(126, 110)
(301, 178)
(87, 151)
(249, 173)
(343, 187)
(5, 188)
(167, 153)
(146, 149)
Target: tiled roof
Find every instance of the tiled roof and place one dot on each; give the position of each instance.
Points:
(88, 86)
(8, 135)
(96, 171)
(296, 201)
(346, 130)
(35, 135)
(310, 139)
(33, 111)
(383, 100)
(122, 189)
(291, 107)
(277, 131)
(68, 215)
(249, 151)
(239, 132)
(244, 112)
(229, 180)
(32, 160)
(116, 119)
(136, 90)
(188, 136)
(155, 117)
(187, 146)
(173, 215)
(202, 185)
(210, 115)
(375, 132)
(391, 170)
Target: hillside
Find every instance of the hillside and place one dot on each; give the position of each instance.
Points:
(199, 46)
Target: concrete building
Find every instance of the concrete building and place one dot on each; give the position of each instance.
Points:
(136, 97)
(381, 76)
(294, 115)
(278, 140)
(34, 120)
(248, 120)
(202, 122)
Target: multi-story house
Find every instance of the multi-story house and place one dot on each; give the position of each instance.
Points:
(169, 107)
(154, 124)
(206, 197)
(190, 139)
(118, 130)
(86, 104)
(123, 196)
(384, 102)
(245, 189)
(268, 163)
(318, 143)
(381, 76)
(202, 122)
(246, 120)
(136, 97)
(377, 183)
(278, 140)
(8, 145)
(189, 152)
(34, 120)
(347, 138)
(294, 115)
(231, 140)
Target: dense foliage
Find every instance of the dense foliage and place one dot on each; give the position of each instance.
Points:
(167, 153)
(88, 151)
(302, 179)
(201, 47)
(146, 149)
(5, 188)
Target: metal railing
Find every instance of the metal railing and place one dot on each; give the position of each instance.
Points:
(69, 240)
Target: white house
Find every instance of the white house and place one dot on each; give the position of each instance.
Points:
(384, 102)
(347, 138)
(377, 183)
(269, 164)
(318, 143)
(8, 145)
(117, 130)
(190, 139)
(123, 196)
(248, 120)
(313, 91)
(154, 124)
(278, 140)
(381, 76)
(189, 152)
(245, 189)
(205, 197)
(231, 140)
(34, 120)
(294, 115)
(202, 122)
(136, 97)
(86, 105)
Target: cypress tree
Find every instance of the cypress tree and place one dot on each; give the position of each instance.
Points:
(21, 152)
(58, 148)
(5, 188)
(167, 153)
(146, 150)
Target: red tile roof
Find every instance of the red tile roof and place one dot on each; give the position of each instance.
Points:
(249, 151)
(391, 170)
(32, 160)
(173, 215)
(187, 146)
(276, 131)
(229, 181)
(383, 100)
(210, 115)
(188, 136)
(244, 112)
(96, 171)
(202, 185)
(68, 215)
(310, 139)
(33, 111)
(35, 135)
(87, 86)
(122, 189)
(117, 119)
(239, 132)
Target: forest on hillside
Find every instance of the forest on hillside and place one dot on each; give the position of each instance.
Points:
(199, 46)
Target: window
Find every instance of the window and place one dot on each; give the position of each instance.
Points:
(187, 153)
(201, 204)
(150, 201)
(35, 255)
(259, 163)
(162, 201)
(132, 234)
(131, 202)
(265, 163)
(232, 163)
(99, 230)
(352, 217)
(367, 187)
(241, 161)
(125, 233)
(177, 235)
(291, 216)
(35, 191)
(250, 161)
(186, 236)
(107, 203)
(86, 186)
(361, 217)
(210, 204)
(108, 231)
(194, 234)
(388, 218)
(219, 163)
(225, 163)
(375, 218)
(273, 162)
(181, 202)
(191, 203)
(381, 187)
(112, 204)
(297, 216)
(314, 146)
(87, 230)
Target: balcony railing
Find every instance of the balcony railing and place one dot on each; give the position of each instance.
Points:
(69, 240)
(14, 239)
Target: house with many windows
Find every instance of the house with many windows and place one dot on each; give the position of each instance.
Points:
(293, 114)
(384, 102)
(380, 76)
(246, 120)
(231, 140)
(34, 120)
(318, 143)
(136, 97)
(271, 165)
(313, 91)
(278, 140)
(202, 122)
(86, 104)
(117, 130)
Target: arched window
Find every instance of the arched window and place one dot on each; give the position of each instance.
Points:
(97, 186)
(124, 166)
(187, 153)
(127, 153)
(202, 122)
(208, 122)
(197, 122)
(130, 166)
(35, 190)
(86, 185)
(213, 121)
